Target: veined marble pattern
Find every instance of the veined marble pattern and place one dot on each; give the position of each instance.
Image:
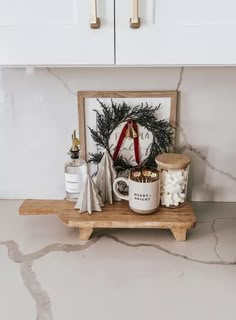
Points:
(39, 110)
(47, 273)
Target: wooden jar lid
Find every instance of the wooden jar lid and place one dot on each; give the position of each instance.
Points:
(172, 161)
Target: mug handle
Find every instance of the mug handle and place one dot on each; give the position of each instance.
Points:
(116, 190)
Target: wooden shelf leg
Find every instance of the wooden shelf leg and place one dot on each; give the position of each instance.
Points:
(85, 233)
(179, 234)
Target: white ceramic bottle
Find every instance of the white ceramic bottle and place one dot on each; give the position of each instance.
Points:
(75, 171)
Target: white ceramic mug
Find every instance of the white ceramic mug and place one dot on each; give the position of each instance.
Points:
(143, 197)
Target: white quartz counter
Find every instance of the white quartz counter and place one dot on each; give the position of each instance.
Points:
(47, 273)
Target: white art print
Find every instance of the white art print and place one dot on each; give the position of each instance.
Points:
(90, 106)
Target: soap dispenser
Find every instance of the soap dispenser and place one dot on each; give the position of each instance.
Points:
(75, 171)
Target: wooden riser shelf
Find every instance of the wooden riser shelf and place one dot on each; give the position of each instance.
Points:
(114, 216)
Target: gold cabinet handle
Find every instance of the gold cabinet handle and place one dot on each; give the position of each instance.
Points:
(94, 20)
(135, 20)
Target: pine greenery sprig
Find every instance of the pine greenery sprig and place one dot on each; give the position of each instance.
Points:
(95, 157)
(110, 117)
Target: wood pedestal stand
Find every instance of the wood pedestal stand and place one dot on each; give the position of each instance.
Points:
(114, 216)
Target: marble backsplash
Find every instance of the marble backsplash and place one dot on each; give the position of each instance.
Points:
(38, 111)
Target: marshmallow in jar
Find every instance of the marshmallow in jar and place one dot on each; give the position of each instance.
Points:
(173, 169)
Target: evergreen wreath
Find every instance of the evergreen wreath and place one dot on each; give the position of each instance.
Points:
(110, 117)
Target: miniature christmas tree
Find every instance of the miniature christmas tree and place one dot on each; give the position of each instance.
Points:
(89, 199)
(105, 177)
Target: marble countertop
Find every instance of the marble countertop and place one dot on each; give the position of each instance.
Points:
(48, 274)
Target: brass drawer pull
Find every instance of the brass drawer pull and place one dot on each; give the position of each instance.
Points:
(94, 20)
(135, 20)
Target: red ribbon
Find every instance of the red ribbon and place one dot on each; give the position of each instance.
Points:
(130, 123)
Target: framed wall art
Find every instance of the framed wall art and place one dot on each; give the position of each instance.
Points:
(132, 126)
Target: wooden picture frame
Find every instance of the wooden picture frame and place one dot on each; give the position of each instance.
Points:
(84, 96)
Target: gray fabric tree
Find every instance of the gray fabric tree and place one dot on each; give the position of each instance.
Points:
(89, 199)
(105, 177)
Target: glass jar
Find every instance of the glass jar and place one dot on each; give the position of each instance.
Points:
(173, 168)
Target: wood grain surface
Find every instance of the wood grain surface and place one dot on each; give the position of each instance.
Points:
(118, 215)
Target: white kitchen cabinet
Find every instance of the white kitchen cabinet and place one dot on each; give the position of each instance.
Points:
(179, 32)
(55, 32)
